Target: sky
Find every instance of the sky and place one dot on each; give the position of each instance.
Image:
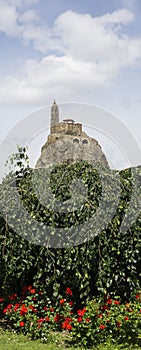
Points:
(86, 52)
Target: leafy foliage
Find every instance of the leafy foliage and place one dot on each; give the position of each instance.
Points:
(106, 260)
(98, 321)
(108, 318)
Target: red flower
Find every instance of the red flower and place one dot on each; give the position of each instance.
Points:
(23, 310)
(105, 307)
(51, 309)
(68, 319)
(81, 312)
(40, 292)
(57, 318)
(68, 291)
(41, 320)
(32, 290)
(71, 303)
(62, 301)
(47, 319)
(34, 299)
(16, 307)
(119, 323)
(79, 319)
(22, 324)
(126, 318)
(29, 287)
(116, 302)
(45, 308)
(32, 308)
(65, 324)
(7, 308)
(13, 296)
(102, 326)
(1, 300)
(137, 296)
(87, 319)
(69, 327)
(109, 301)
(84, 310)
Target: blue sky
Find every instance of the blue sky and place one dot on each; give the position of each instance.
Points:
(73, 51)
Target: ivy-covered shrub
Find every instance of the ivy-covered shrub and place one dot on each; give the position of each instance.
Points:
(105, 261)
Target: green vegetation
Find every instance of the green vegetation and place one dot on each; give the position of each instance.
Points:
(33, 313)
(12, 341)
(109, 260)
(100, 261)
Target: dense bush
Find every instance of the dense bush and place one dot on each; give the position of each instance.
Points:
(98, 320)
(106, 262)
(32, 313)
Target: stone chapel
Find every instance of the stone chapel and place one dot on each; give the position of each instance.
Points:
(67, 142)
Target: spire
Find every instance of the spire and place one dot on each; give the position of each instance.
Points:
(54, 114)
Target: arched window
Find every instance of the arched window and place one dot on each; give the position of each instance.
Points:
(75, 140)
(84, 142)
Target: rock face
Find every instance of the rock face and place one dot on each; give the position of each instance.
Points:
(67, 142)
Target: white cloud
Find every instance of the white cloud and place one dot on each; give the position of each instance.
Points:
(14, 16)
(29, 16)
(8, 19)
(93, 50)
(62, 77)
(122, 16)
(17, 19)
(97, 39)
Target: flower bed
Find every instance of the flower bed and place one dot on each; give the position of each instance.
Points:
(32, 313)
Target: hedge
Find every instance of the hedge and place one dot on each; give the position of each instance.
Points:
(98, 259)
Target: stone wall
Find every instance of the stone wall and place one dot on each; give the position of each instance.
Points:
(67, 128)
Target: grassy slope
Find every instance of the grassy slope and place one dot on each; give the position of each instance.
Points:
(12, 341)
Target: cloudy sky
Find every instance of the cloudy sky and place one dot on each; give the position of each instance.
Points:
(73, 51)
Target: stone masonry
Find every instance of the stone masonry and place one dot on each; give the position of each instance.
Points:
(68, 142)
